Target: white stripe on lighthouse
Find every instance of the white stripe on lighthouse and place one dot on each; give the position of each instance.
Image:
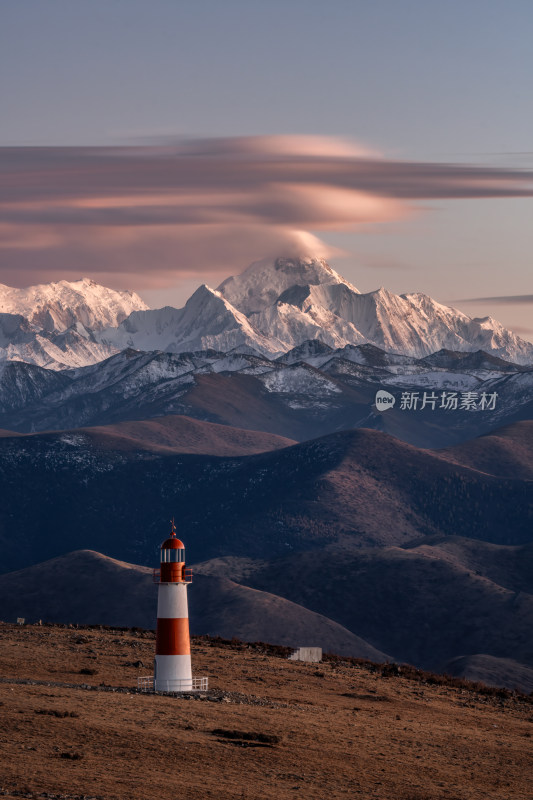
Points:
(172, 601)
(173, 667)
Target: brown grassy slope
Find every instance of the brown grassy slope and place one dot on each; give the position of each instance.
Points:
(181, 434)
(449, 599)
(336, 730)
(80, 587)
(244, 401)
(506, 452)
(383, 490)
(505, 565)
(229, 609)
(171, 434)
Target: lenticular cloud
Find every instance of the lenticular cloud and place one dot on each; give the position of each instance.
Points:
(149, 214)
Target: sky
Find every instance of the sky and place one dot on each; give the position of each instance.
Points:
(159, 144)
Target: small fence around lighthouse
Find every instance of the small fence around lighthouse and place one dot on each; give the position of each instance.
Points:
(146, 684)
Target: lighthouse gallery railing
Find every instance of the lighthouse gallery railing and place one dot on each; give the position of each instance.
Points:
(187, 575)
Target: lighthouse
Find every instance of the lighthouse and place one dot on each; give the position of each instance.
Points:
(172, 665)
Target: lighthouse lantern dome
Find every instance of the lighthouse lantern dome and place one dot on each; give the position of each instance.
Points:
(172, 548)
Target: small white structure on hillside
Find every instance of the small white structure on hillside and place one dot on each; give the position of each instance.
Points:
(313, 654)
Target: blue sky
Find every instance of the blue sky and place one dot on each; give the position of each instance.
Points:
(415, 81)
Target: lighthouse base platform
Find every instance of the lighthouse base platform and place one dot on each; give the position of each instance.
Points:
(172, 685)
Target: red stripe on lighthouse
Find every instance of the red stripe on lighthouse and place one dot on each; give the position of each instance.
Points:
(172, 637)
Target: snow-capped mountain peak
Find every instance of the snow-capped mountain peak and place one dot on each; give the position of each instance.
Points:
(264, 281)
(60, 305)
(53, 324)
(271, 308)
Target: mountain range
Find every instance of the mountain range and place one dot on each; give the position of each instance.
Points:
(310, 391)
(425, 556)
(271, 308)
(386, 530)
(289, 347)
(267, 498)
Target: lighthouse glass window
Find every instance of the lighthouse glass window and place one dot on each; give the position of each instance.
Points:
(172, 555)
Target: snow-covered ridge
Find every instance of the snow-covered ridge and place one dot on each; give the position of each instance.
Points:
(277, 305)
(207, 321)
(296, 300)
(53, 325)
(61, 305)
(333, 389)
(271, 308)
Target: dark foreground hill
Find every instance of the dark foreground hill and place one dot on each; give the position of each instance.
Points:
(73, 726)
(423, 606)
(88, 588)
(355, 488)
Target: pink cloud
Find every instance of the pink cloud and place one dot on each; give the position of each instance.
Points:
(144, 216)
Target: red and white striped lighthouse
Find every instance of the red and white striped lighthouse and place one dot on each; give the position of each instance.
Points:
(172, 665)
